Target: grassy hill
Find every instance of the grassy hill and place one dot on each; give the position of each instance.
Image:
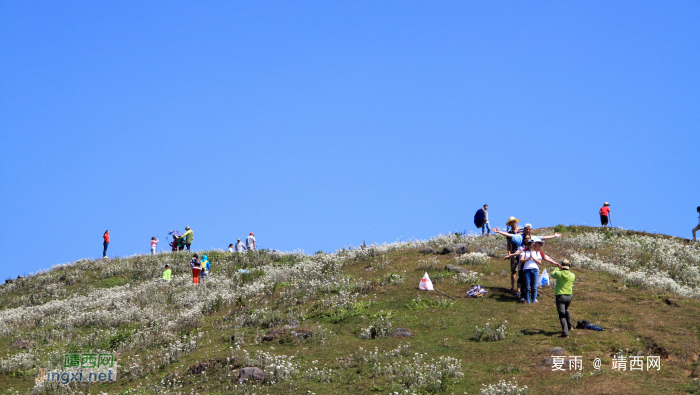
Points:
(322, 323)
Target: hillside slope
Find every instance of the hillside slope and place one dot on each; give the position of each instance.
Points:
(321, 323)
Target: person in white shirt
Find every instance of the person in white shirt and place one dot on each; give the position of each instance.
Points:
(239, 246)
(230, 248)
(530, 259)
(250, 242)
(697, 228)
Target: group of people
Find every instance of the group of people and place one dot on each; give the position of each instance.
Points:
(184, 241)
(249, 244)
(179, 243)
(200, 269)
(526, 255)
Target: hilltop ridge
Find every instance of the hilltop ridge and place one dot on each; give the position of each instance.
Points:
(312, 322)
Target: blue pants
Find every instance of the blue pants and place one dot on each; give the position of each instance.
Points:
(530, 281)
(104, 252)
(485, 227)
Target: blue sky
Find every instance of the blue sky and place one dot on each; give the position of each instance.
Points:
(322, 124)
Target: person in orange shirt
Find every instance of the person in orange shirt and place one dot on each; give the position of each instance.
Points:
(604, 214)
(105, 244)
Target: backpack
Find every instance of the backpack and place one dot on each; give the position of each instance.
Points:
(479, 218)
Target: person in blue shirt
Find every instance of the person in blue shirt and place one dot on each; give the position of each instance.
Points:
(205, 267)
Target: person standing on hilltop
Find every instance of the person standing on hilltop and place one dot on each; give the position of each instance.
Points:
(481, 220)
(697, 228)
(105, 243)
(604, 214)
(239, 246)
(154, 244)
(187, 237)
(250, 242)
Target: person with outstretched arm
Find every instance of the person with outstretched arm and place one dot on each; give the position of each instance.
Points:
(604, 214)
(563, 294)
(187, 237)
(531, 258)
(515, 241)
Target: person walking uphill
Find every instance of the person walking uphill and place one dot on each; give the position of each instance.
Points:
(105, 243)
(564, 294)
(481, 220)
(187, 237)
(604, 214)
(196, 268)
(250, 242)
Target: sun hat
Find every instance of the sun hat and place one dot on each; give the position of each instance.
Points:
(511, 219)
(606, 204)
(565, 265)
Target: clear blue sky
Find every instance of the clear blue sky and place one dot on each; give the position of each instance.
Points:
(322, 124)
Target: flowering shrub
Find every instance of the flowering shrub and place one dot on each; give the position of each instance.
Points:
(472, 258)
(471, 278)
(419, 375)
(503, 388)
(380, 327)
(392, 279)
(491, 332)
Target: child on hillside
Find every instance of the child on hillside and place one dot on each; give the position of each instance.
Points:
(196, 266)
(154, 244)
(167, 273)
(230, 248)
(173, 245)
(205, 267)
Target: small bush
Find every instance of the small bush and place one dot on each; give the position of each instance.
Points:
(491, 332)
(392, 278)
(380, 327)
(503, 388)
(471, 278)
(472, 258)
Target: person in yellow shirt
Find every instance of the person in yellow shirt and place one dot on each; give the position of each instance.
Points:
(167, 273)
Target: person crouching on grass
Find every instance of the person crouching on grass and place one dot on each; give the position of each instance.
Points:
(531, 259)
(196, 268)
(167, 273)
(564, 293)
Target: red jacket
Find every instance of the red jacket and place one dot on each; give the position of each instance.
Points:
(106, 237)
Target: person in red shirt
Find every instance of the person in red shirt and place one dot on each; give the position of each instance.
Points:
(105, 244)
(604, 214)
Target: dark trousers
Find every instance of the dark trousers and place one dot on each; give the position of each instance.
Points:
(563, 302)
(188, 246)
(104, 252)
(604, 220)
